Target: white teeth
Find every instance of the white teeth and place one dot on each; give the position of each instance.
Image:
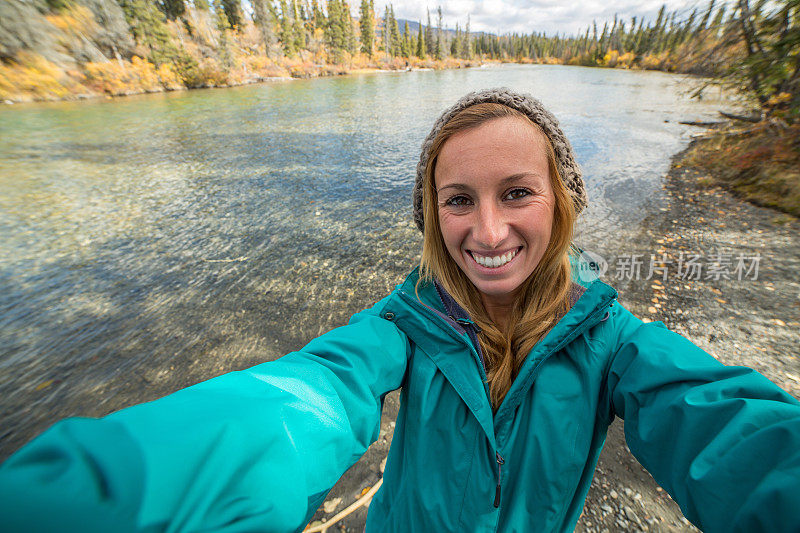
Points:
(496, 261)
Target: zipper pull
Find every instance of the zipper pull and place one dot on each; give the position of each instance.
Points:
(500, 462)
(468, 322)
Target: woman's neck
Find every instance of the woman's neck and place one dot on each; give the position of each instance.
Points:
(498, 310)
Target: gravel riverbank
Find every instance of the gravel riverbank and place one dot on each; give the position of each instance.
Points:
(751, 321)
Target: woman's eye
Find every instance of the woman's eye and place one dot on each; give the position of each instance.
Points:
(516, 194)
(458, 201)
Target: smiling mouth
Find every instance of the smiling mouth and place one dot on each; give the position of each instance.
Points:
(495, 261)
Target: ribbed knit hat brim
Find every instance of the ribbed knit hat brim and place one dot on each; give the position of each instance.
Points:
(569, 170)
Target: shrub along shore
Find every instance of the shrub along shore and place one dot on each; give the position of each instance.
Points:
(36, 79)
(757, 162)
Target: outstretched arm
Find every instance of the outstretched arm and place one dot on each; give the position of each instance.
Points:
(723, 441)
(251, 450)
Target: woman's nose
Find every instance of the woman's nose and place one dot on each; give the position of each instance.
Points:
(490, 228)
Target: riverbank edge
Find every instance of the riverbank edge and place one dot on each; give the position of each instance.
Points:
(759, 163)
(290, 73)
(282, 73)
(623, 496)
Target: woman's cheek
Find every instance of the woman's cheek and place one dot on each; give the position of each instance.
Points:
(452, 225)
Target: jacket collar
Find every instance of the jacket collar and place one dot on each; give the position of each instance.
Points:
(421, 313)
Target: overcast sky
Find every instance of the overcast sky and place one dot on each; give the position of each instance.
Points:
(526, 16)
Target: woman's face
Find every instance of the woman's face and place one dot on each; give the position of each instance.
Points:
(495, 204)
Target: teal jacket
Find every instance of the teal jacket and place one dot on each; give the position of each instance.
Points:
(259, 449)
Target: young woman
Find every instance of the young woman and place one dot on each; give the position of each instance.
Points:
(511, 371)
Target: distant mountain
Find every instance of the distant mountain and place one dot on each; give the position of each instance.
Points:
(413, 28)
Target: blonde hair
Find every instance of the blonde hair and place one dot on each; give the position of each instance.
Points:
(544, 297)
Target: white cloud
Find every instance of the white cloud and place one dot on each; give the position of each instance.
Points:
(550, 16)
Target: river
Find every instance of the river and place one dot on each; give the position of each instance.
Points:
(154, 241)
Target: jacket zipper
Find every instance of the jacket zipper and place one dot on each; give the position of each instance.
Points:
(589, 321)
(465, 323)
(500, 463)
(468, 325)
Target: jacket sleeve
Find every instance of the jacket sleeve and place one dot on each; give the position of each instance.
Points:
(724, 441)
(254, 450)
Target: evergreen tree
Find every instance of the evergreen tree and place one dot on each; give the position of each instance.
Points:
(223, 25)
(655, 35)
(629, 38)
(758, 72)
(719, 17)
(455, 45)
(303, 11)
(201, 4)
(420, 53)
(429, 44)
(639, 43)
(220, 17)
(394, 33)
(298, 27)
(383, 42)
(612, 34)
(439, 53)
(388, 23)
(172, 9)
(307, 12)
(335, 35)
(706, 16)
(148, 27)
(287, 31)
(350, 43)
(233, 10)
(367, 23)
(718, 27)
(319, 16)
(686, 31)
(406, 46)
(467, 42)
(58, 5)
(602, 46)
(264, 19)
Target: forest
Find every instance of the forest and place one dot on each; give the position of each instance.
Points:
(60, 49)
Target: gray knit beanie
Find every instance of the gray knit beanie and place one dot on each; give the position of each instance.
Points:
(533, 108)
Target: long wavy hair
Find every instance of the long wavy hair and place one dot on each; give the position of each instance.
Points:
(544, 297)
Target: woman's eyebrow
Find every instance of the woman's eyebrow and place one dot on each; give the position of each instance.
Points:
(521, 176)
(457, 186)
(505, 181)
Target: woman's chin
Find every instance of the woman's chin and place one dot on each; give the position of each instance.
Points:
(500, 292)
